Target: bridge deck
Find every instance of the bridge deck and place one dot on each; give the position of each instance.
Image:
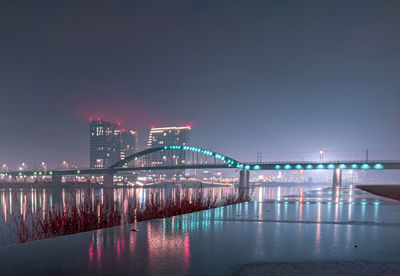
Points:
(289, 165)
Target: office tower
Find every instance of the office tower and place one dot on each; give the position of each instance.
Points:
(109, 143)
(168, 136)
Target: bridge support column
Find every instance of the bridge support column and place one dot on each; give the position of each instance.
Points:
(337, 178)
(108, 179)
(56, 179)
(244, 179)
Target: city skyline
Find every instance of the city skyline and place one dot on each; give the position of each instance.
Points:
(254, 77)
(115, 128)
(200, 137)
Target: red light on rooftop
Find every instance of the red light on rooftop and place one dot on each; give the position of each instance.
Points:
(98, 119)
(189, 126)
(90, 119)
(123, 130)
(152, 127)
(119, 123)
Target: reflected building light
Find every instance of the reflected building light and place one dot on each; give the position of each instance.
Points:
(318, 231)
(91, 251)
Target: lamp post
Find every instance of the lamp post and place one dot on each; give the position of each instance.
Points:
(321, 156)
(64, 164)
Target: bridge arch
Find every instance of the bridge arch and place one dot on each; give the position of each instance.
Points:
(230, 162)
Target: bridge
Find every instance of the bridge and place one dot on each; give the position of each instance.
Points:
(198, 158)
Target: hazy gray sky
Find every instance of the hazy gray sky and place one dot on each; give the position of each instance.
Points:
(282, 77)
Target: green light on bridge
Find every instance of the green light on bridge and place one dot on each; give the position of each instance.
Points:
(365, 166)
(342, 166)
(78, 171)
(246, 167)
(378, 167)
(354, 166)
(331, 166)
(219, 156)
(257, 167)
(287, 167)
(320, 166)
(277, 167)
(299, 167)
(309, 167)
(51, 173)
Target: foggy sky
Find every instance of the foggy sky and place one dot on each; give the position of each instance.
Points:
(285, 78)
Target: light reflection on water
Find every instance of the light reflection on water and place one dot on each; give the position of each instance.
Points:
(178, 236)
(299, 225)
(26, 201)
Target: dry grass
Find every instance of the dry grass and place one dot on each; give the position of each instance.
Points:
(86, 217)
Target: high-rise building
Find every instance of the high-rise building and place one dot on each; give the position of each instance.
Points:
(109, 143)
(168, 136)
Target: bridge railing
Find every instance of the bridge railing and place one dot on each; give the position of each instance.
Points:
(324, 162)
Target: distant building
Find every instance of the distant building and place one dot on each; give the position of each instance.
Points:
(109, 143)
(168, 136)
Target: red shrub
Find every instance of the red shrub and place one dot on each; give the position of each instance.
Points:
(86, 217)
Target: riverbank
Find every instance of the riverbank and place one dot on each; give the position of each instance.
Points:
(389, 191)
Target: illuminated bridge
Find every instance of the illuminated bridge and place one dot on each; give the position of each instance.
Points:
(197, 158)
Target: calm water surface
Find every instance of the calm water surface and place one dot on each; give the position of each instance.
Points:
(282, 227)
(16, 202)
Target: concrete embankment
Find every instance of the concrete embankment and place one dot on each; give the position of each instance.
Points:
(389, 191)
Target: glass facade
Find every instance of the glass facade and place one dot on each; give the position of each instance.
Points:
(168, 136)
(109, 143)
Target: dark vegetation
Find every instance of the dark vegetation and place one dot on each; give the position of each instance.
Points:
(75, 218)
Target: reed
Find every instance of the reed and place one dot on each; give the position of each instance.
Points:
(75, 218)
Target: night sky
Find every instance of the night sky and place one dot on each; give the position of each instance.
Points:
(285, 78)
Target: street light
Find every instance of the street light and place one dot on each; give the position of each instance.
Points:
(321, 156)
(65, 164)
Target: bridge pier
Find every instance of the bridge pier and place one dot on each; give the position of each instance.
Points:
(244, 179)
(337, 178)
(108, 180)
(56, 179)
